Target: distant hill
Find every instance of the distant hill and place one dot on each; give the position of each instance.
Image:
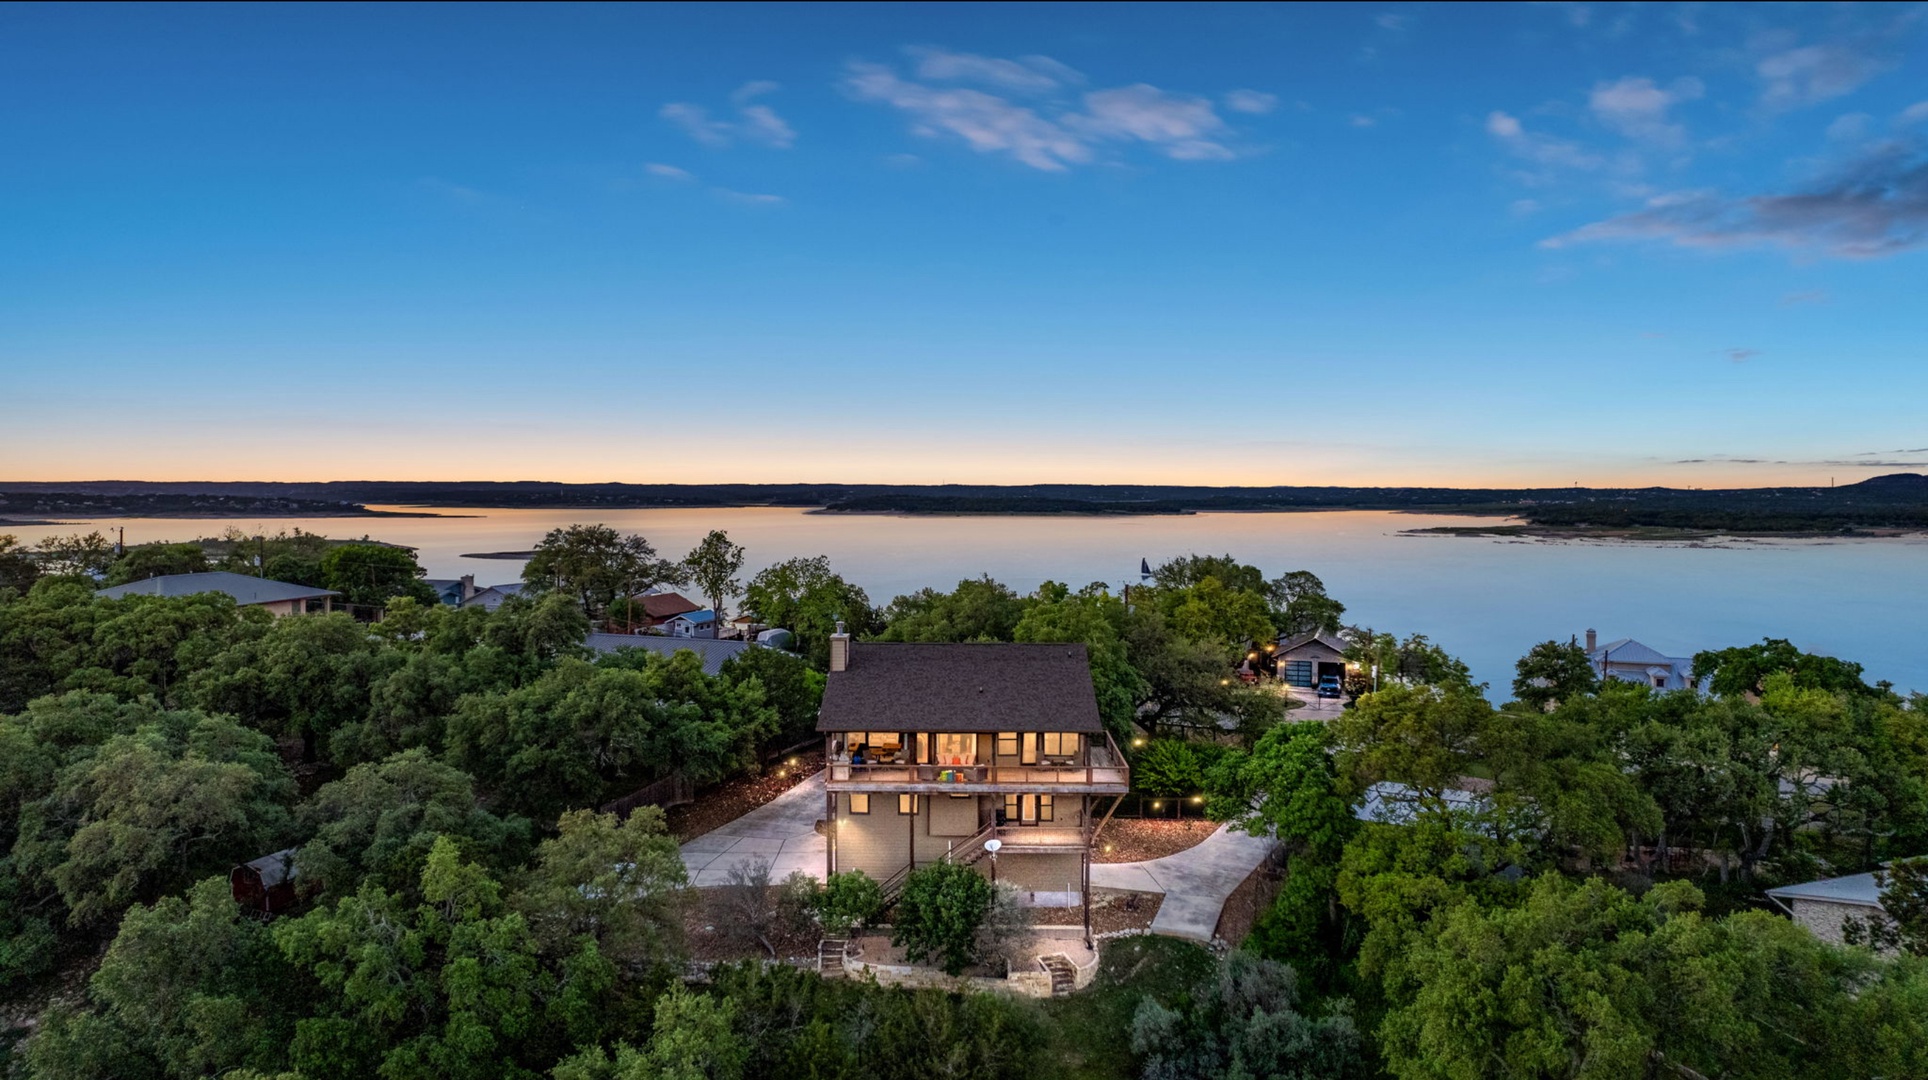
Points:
(1896, 501)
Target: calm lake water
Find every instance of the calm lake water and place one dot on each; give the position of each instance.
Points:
(1485, 600)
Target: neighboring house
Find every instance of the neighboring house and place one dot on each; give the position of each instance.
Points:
(1304, 659)
(1630, 661)
(267, 884)
(713, 653)
(452, 591)
(747, 626)
(277, 597)
(691, 624)
(1825, 906)
(937, 749)
(493, 596)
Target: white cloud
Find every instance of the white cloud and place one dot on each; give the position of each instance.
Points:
(988, 123)
(1637, 108)
(1813, 73)
(1027, 74)
(1256, 102)
(1389, 21)
(668, 172)
(1180, 127)
(1524, 207)
(754, 123)
(1914, 114)
(1052, 133)
(749, 198)
(1850, 127)
(1361, 120)
(1544, 150)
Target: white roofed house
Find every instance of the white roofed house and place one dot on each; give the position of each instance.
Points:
(1629, 661)
(1826, 906)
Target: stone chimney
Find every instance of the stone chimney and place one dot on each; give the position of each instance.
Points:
(840, 649)
(468, 587)
(1593, 640)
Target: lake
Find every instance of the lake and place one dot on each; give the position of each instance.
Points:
(1485, 600)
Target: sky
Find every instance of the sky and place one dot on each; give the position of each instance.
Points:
(1352, 244)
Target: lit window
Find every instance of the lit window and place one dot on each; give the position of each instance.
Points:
(907, 804)
(1044, 807)
(860, 804)
(1060, 744)
(1007, 744)
(956, 749)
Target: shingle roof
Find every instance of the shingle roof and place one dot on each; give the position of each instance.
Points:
(245, 590)
(900, 686)
(665, 605)
(713, 653)
(276, 868)
(1320, 636)
(1858, 889)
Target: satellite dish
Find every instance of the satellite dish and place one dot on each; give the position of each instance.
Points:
(992, 845)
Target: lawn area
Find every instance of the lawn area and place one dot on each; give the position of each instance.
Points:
(1090, 1031)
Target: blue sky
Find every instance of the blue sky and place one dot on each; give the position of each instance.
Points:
(1243, 244)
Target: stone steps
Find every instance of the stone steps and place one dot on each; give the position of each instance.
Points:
(1064, 977)
(830, 957)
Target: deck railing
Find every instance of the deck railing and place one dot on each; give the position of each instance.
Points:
(1101, 765)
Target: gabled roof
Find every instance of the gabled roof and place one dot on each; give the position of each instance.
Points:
(905, 686)
(699, 618)
(244, 589)
(276, 868)
(1286, 645)
(1629, 651)
(713, 653)
(1860, 890)
(666, 605)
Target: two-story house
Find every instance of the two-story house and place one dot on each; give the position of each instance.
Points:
(937, 749)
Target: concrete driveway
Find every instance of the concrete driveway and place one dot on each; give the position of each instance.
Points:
(1312, 706)
(783, 831)
(1196, 882)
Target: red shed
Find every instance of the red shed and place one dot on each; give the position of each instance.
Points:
(267, 884)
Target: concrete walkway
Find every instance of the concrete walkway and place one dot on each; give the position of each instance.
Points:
(783, 830)
(1196, 882)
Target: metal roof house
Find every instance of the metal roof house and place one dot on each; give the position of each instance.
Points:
(1825, 906)
(278, 597)
(713, 653)
(1630, 661)
(691, 624)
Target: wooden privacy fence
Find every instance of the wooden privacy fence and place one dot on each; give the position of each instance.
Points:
(672, 790)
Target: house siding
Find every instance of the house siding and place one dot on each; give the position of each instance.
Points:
(1827, 920)
(1042, 872)
(880, 843)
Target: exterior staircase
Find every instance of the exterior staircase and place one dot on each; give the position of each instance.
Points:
(1064, 977)
(830, 958)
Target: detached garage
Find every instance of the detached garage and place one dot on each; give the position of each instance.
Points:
(1306, 658)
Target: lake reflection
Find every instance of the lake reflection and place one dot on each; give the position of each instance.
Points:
(1487, 601)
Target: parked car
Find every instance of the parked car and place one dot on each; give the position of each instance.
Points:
(1329, 686)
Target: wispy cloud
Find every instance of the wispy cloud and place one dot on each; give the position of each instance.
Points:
(1637, 108)
(1025, 75)
(747, 198)
(1541, 149)
(1258, 103)
(1740, 356)
(668, 172)
(1028, 110)
(1871, 205)
(455, 193)
(1390, 21)
(753, 122)
(1793, 78)
(1810, 296)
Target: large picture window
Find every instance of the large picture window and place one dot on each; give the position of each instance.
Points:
(1007, 744)
(1060, 744)
(954, 749)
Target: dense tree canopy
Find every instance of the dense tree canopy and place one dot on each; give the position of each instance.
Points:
(594, 564)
